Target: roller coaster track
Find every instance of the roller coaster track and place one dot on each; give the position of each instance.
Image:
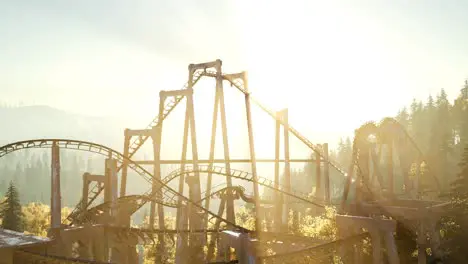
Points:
(136, 144)
(240, 86)
(388, 130)
(170, 194)
(140, 200)
(242, 175)
(139, 141)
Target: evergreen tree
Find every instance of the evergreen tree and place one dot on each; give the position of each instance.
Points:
(403, 118)
(11, 213)
(456, 224)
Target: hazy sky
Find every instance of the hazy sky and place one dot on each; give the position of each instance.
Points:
(335, 64)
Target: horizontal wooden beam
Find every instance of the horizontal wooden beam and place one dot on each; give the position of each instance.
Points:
(138, 132)
(151, 162)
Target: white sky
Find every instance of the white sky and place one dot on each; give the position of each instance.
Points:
(335, 64)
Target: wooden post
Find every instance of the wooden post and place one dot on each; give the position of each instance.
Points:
(195, 192)
(55, 203)
(278, 203)
(422, 243)
(123, 181)
(156, 186)
(318, 176)
(212, 152)
(229, 199)
(376, 245)
(182, 210)
(84, 201)
(252, 157)
(326, 172)
(181, 246)
(215, 239)
(156, 136)
(287, 167)
(418, 179)
(390, 169)
(110, 183)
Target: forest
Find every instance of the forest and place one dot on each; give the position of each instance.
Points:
(439, 127)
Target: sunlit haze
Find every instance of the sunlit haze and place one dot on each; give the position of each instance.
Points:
(334, 64)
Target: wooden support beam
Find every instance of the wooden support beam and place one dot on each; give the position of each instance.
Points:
(326, 172)
(123, 181)
(211, 155)
(138, 132)
(183, 92)
(318, 176)
(287, 167)
(211, 64)
(55, 203)
(207, 161)
(230, 215)
(252, 156)
(278, 195)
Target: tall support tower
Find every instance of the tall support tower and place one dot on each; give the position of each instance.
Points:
(219, 106)
(282, 206)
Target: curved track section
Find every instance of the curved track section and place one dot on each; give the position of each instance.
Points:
(367, 150)
(169, 195)
(135, 202)
(170, 201)
(243, 175)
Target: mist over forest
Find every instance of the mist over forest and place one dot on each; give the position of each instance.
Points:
(439, 127)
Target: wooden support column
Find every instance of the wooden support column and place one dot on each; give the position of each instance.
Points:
(352, 225)
(55, 203)
(196, 240)
(229, 199)
(376, 164)
(318, 176)
(181, 246)
(123, 181)
(182, 238)
(156, 135)
(221, 250)
(417, 179)
(278, 195)
(252, 157)
(195, 220)
(287, 168)
(110, 178)
(326, 172)
(376, 245)
(422, 243)
(84, 195)
(390, 169)
(348, 182)
(435, 237)
(110, 183)
(392, 251)
(212, 152)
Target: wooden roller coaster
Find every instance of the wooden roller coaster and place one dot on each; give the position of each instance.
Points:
(371, 200)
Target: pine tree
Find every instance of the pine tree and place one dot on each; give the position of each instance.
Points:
(456, 224)
(11, 213)
(403, 117)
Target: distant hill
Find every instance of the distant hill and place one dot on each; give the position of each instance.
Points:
(30, 122)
